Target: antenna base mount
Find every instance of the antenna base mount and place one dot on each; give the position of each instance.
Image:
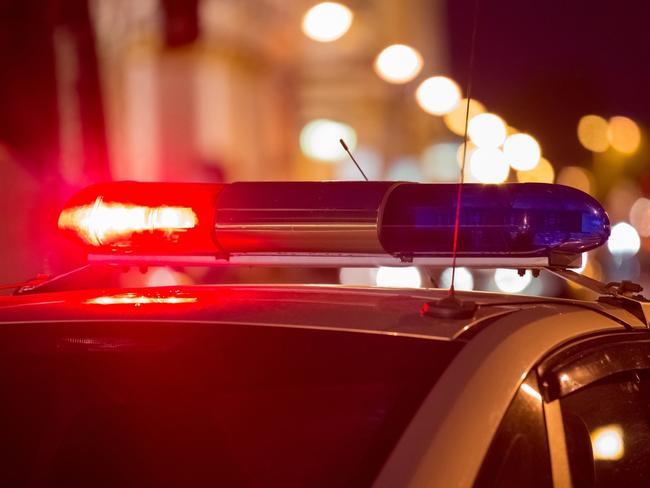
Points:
(449, 307)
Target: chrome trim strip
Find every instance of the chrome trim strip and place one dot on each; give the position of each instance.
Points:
(317, 260)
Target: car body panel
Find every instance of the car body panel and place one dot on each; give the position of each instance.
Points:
(449, 436)
(451, 433)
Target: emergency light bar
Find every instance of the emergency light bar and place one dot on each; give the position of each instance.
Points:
(334, 224)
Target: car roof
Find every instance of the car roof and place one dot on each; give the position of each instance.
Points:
(358, 309)
(515, 333)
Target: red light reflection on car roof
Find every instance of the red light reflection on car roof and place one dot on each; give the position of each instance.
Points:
(135, 299)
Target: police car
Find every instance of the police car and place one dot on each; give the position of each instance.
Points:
(308, 385)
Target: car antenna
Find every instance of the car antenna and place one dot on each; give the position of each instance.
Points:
(450, 306)
(347, 150)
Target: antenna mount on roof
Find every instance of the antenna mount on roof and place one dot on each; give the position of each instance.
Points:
(449, 307)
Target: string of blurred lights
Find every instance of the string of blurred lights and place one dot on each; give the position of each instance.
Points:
(496, 152)
(500, 148)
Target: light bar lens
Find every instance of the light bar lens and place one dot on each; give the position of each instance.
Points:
(102, 223)
(530, 219)
(150, 218)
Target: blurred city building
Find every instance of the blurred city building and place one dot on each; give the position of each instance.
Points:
(205, 90)
(221, 89)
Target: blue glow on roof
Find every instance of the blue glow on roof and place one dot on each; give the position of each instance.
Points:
(531, 219)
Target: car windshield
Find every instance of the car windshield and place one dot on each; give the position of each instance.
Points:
(183, 404)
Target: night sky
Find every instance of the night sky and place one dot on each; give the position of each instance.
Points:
(543, 64)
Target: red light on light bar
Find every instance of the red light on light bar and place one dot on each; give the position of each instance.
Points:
(145, 218)
(102, 223)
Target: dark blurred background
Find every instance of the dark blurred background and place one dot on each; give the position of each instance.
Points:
(227, 90)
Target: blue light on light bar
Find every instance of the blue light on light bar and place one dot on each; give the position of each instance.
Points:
(531, 219)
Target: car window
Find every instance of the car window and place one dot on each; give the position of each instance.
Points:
(518, 455)
(607, 429)
(202, 404)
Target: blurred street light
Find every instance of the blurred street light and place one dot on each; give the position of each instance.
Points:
(640, 216)
(467, 177)
(488, 165)
(327, 21)
(399, 277)
(487, 130)
(438, 95)
(624, 240)
(319, 139)
(623, 134)
(439, 162)
(509, 281)
(461, 150)
(575, 177)
(522, 152)
(358, 276)
(455, 120)
(398, 63)
(607, 443)
(592, 133)
(405, 169)
(620, 200)
(368, 158)
(542, 173)
(463, 281)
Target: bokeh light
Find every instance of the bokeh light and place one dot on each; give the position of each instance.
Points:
(623, 134)
(509, 281)
(455, 120)
(368, 158)
(467, 177)
(164, 276)
(439, 162)
(620, 199)
(487, 130)
(575, 177)
(319, 139)
(522, 152)
(398, 63)
(542, 173)
(468, 154)
(607, 443)
(640, 216)
(408, 277)
(327, 21)
(463, 281)
(438, 95)
(592, 133)
(404, 169)
(489, 165)
(358, 276)
(624, 240)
